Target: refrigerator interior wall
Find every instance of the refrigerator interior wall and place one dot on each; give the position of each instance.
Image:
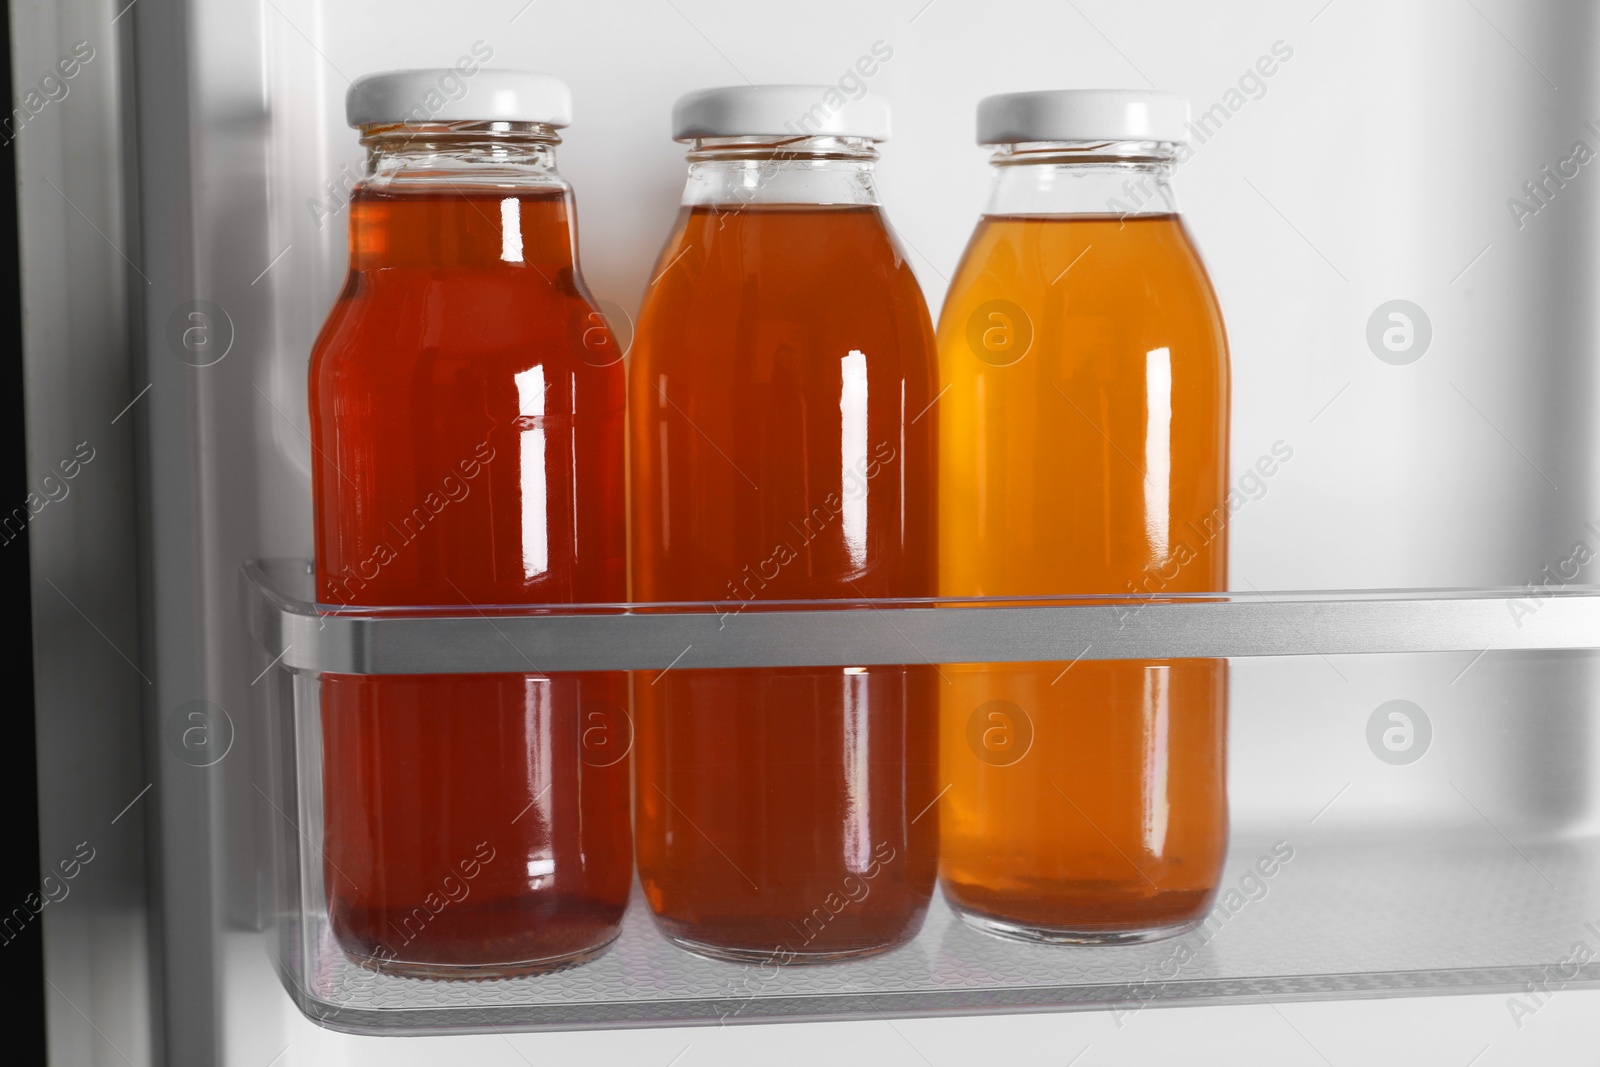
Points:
(1375, 164)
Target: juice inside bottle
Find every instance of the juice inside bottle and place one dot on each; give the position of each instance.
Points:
(782, 357)
(1083, 449)
(467, 440)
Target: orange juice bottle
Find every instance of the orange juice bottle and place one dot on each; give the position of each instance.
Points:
(783, 357)
(1083, 450)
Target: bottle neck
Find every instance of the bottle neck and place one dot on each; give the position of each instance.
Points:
(738, 171)
(1099, 178)
(464, 156)
(463, 195)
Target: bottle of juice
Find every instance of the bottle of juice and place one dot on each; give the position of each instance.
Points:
(467, 437)
(782, 448)
(1083, 449)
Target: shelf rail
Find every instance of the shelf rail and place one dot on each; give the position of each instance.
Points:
(467, 640)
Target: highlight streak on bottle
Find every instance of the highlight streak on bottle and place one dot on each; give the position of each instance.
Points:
(857, 795)
(540, 857)
(1158, 451)
(853, 454)
(511, 230)
(1158, 731)
(535, 533)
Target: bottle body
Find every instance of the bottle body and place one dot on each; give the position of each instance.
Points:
(467, 441)
(781, 356)
(1084, 449)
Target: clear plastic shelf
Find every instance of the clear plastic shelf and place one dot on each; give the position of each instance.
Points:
(1474, 869)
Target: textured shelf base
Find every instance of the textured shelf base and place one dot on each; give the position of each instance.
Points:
(1333, 921)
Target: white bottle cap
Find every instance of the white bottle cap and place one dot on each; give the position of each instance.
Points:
(779, 111)
(449, 94)
(1083, 115)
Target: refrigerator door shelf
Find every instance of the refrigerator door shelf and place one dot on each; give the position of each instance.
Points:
(1474, 867)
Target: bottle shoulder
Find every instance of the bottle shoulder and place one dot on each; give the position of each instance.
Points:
(1083, 292)
(391, 332)
(1050, 261)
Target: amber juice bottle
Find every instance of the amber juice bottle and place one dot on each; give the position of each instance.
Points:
(1083, 449)
(467, 436)
(782, 356)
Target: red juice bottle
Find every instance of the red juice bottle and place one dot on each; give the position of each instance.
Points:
(467, 438)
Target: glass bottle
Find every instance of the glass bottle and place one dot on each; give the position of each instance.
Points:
(781, 362)
(1083, 449)
(467, 438)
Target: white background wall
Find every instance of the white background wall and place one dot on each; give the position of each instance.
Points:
(1376, 165)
